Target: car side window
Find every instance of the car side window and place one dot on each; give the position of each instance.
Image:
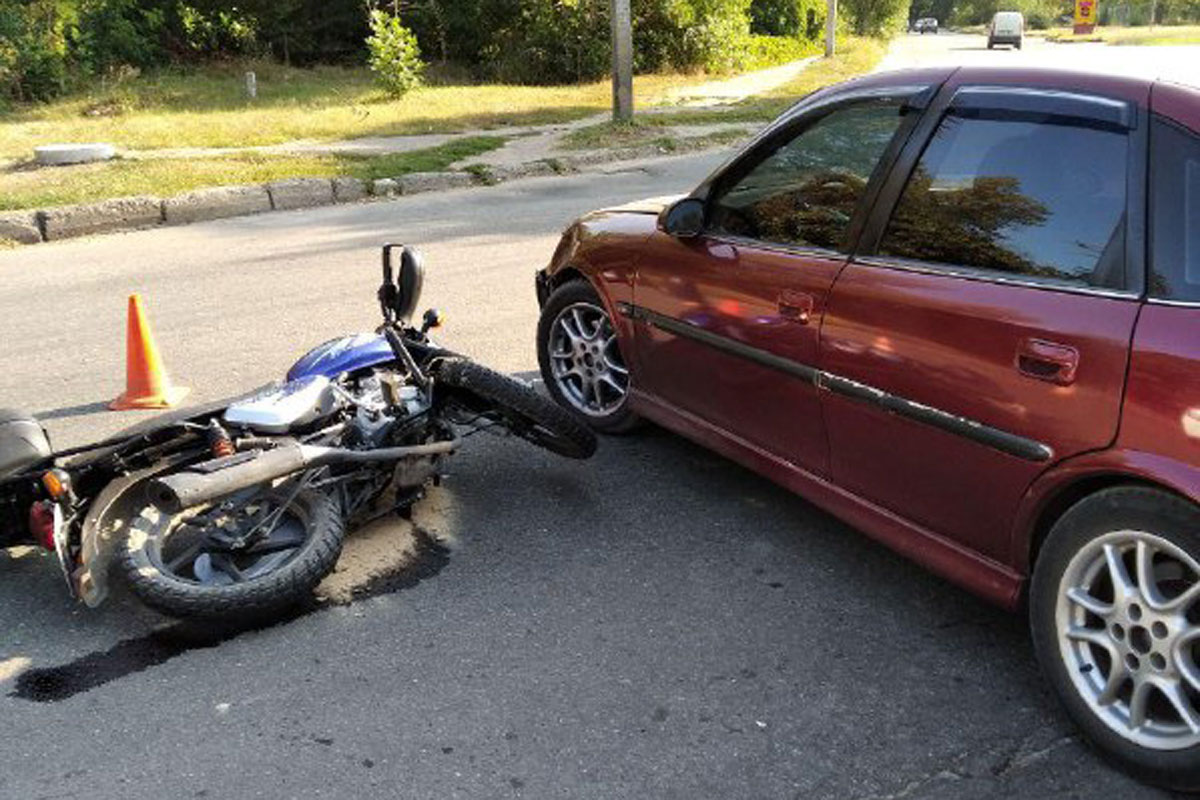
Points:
(1039, 198)
(1174, 212)
(805, 191)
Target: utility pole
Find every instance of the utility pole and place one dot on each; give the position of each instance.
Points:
(830, 27)
(622, 60)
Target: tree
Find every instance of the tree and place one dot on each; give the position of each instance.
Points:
(874, 17)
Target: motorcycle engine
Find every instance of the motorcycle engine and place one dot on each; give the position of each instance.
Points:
(373, 395)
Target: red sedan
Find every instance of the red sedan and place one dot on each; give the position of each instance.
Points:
(959, 309)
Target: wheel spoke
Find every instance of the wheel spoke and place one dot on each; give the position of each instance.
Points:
(1082, 598)
(616, 387)
(1123, 586)
(1116, 679)
(224, 563)
(1092, 636)
(186, 557)
(1182, 705)
(1137, 703)
(1183, 600)
(579, 325)
(1144, 565)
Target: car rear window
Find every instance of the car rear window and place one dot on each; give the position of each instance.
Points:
(1037, 199)
(1174, 213)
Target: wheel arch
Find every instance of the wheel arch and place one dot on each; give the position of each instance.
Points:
(1064, 486)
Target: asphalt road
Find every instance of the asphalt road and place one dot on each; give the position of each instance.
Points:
(1175, 63)
(656, 622)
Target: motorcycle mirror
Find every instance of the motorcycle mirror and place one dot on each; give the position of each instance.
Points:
(408, 268)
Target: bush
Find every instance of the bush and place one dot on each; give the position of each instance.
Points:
(394, 56)
(119, 33)
(874, 17)
(33, 50)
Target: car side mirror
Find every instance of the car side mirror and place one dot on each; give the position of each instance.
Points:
(683, 219)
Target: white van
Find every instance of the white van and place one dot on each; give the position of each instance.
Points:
(1007, 27)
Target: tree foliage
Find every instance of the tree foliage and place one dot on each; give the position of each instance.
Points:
(394, 57)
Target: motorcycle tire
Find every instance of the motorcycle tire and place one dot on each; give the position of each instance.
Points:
(224, 592)
(521, 409)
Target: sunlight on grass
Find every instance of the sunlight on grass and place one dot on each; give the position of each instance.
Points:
(208, 109)
(857, 55)
(1156, 35)
(40, 188)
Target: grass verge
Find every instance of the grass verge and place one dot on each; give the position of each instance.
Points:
(856, 57)
(207, 108)
(27, 188)
(1145, 36)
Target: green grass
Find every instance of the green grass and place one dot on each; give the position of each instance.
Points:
(23, 188)
(1116, 35)
(207, 108)
(856, 56)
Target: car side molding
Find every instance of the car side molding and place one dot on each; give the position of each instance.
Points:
(1003, 441)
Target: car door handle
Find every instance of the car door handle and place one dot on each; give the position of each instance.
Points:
(1048, 361)
(796, 306)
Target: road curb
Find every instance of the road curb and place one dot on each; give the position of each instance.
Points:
(221, 202)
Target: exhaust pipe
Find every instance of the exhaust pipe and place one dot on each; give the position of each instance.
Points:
(212, 480)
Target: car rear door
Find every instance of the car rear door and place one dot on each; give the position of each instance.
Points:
(982, 333)
(728, 321)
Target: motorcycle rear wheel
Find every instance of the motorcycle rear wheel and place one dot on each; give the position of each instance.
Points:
(174, 566)
(517, 406)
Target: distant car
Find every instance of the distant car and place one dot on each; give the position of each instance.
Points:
(926, 25)
(959, 308)
(1006, 27)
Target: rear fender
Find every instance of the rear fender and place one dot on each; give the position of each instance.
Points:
(104, 526)
(1091, 472)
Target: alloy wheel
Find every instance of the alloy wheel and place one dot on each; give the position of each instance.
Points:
(585, 360)
(1127, 633)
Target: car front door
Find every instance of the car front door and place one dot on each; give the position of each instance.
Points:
(982, 332)
(727, 322)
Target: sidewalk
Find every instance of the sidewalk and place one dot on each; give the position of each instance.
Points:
(527, 151)
(529, 143)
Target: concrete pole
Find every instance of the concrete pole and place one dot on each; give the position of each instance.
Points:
(830, 27)
(622, 60)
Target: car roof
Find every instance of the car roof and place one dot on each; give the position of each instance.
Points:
(1125, 87)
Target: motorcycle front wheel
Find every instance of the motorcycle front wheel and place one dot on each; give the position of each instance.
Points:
(252, 556)
(479, 391)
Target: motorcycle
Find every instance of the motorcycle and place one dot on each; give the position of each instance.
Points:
(237, 509)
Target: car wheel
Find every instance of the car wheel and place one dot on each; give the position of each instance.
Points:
(581, 359)
(1116, 627)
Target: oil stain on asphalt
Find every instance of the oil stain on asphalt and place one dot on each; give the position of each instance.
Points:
(426, 557)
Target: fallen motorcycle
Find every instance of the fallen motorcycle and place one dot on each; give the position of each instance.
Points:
(237, 509)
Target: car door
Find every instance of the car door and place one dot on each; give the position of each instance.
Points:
(982, 332)
(728, 321)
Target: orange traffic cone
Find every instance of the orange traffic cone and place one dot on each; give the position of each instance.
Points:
(146, 382)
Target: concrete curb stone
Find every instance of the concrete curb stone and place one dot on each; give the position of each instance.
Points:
(512, 172)
(348, 190)
(417, 182)
(20, 226)
(216, 203)
(385, 187)
(129, 213)
(122, 213)
(300, 193)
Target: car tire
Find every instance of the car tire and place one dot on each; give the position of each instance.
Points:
(1115, 628)
(581, 360)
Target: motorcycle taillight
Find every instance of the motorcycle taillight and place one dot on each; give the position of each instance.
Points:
(41, 523)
